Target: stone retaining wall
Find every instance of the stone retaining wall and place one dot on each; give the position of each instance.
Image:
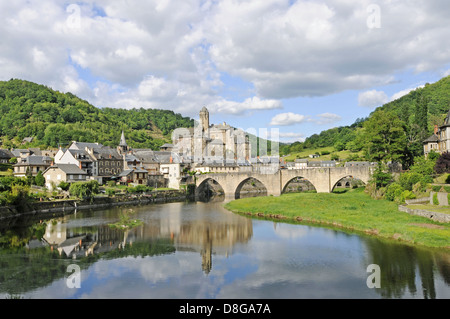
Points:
(7, 212)
(439, 217)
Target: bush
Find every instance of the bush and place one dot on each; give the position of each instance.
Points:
(64, 186)
(111, 183)
(408, 179)
(407, 195)
(447, 180)
(393, 192)
(39, 180)
(110, 192)
(139, 189)
(435, 199)
(324, 153)
(436, 188)
(84, 190)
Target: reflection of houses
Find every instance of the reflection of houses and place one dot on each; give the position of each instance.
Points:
(58, 173)
(31, 165)
(204, 235)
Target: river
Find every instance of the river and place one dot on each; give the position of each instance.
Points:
(200, 250)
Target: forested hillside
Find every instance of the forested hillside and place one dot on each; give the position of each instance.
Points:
(53, 118)
(417, 113)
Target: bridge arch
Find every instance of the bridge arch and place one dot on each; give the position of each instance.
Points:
(207, 188)
(348, 181)
(256, 188)
(299, 179)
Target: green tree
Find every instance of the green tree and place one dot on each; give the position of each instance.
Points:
(384, 137)
(39, 180)
(381, 177)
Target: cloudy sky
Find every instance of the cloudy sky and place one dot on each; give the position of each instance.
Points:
(297, 66)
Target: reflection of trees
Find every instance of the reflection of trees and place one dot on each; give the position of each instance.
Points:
(24, 269)
(398, 264)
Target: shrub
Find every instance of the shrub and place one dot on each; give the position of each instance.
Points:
(408, 179)
(393, 192)
(64, 186)
(111, 183)
(39, 180)
(436, 188)
(447, 180)
(407, 195)
(435, 199)
(110, 192)
(324, 153)
(84, 190)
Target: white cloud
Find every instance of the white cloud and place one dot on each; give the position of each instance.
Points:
(372, 98)
(327, 118)
(291, 137)
(172, 54)
(287, 119)
(254, 103)
(404, 92)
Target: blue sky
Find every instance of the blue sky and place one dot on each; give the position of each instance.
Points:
(298, 66)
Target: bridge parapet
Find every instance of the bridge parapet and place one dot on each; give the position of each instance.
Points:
(323, 179)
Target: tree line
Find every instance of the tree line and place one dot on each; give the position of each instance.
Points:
(53, 118)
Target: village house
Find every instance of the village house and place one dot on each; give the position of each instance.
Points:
(98, 161)
(301, 163)
(439, 142)
(322, 164)
(5, 156)
(58, 173)
(134, 175)
(77, 157)
(31, 165)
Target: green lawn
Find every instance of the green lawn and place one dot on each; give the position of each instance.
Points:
(343, 155)
(354, 210)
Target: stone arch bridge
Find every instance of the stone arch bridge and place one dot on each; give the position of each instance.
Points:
(323, 179)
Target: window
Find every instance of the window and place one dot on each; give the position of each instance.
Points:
(58, 177)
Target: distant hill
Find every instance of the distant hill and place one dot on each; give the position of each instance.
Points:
(420, 110)
(53, 118)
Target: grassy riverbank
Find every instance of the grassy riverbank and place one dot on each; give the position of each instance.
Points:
(353, 210)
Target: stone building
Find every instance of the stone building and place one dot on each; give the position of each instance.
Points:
(211, 140)
(31, 165)
(58, 173)
(440, 140)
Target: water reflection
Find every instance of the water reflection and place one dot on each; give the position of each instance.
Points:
(236, 256)
(402, 267)
(186, 228)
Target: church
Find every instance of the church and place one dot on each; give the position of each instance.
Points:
(218, 143)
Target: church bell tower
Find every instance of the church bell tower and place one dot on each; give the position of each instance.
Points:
(204, 119)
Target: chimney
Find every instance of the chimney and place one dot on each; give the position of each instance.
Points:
(80, 165)
(171, 160)
(436, 130)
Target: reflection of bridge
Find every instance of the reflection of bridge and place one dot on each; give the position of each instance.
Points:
(323, 179)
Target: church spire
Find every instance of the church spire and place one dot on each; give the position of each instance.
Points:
(122, 140)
